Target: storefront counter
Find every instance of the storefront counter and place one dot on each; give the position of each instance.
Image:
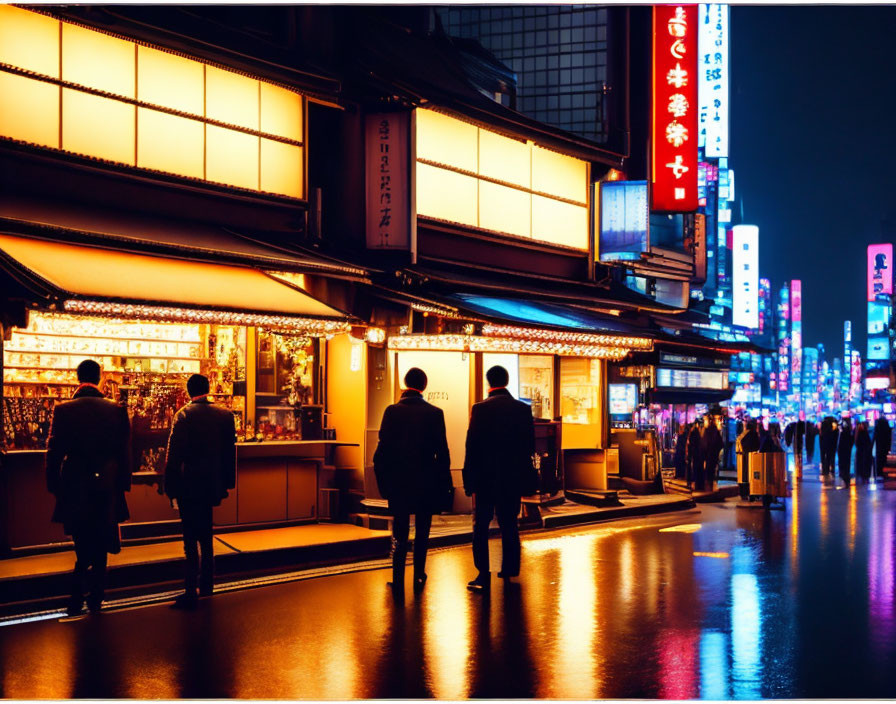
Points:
(277, 482)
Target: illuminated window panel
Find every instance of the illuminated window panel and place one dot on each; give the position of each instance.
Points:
(446, 195)
(504, 209)
(170, 81)
(99, 127)
(281, 168)
(169, 143)
(29, 40)
(231, 98)
(559, 175)
(35, 118)
(447, 141)
(98, 61)
(505, 159)
(559, 223)
(281, 112)
(231, 157)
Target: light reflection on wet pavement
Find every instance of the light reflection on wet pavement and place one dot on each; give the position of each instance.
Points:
(754, 604)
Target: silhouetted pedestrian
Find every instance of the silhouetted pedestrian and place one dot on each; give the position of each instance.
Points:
(863, 451)
(747, 443)
(680, 457)
(498, 471)
(827, 443)
(199, 471)
(883, 437)
(845, 442)
(413, 472)
(89, 471)
(811, 434)
(695, 462)
(711, 445)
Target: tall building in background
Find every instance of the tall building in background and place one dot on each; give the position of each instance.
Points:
(559, 54)
(879, 290)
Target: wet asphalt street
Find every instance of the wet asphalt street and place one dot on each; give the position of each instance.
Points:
(733, 603)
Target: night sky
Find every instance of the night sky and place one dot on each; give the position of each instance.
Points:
(813, 146)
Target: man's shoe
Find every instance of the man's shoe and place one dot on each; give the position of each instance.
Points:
(507, 575)
(419, 583)
(74, 609)
(480, 584)
(186, 602)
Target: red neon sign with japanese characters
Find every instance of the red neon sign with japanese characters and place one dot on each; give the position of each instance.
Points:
(674, 109)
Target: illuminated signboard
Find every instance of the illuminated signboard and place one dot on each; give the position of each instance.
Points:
(876, 383)
(880, 269)
(878, 318)
(691, 379)
(623, 220)
(796, 335)
(674, 109)
(878, 348)
(623, 399)
(388, 198)
(713, 84)
(745, 275)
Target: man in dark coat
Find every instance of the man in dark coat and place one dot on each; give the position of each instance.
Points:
(863, 451)
(747, 443)
(89, 471)
(413, 472)
(200, 469)
(695, 459)
(498, 471)
(845, 442)
(883, 437)
(827, 443)
(811, 434)
(681, 446)
(711, 444)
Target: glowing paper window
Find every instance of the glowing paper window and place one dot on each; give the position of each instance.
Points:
(29, 40)
(99, 127)
(447, 195)
(445, 140)
(231, 98)
(559, 223)
(231, 157)
(281, 112)
(98, 61)
(170, 81)
(504, 209)
(505, 159)
(169, 143)
(36, 117)
(559, 175)
(281, 168)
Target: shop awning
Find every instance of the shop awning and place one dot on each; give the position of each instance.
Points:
(689, 396)
(76, 271)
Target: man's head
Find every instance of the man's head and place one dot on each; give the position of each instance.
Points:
(497, 377)
(415, 379)
(88, 372)
(197, 385)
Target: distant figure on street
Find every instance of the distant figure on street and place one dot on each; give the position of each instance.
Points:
(498, 471)
(795, 434)
(863, 451)
(883, 437)
(695, 461)
(772, 440)
(199, 471)
(811, 434)
(844, 449)
(413, 473)
(747, 443)
(681, 451)
(89, 471)
(711, 444)
(827, 443)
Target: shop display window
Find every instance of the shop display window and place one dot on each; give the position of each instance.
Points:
(145, 367)
(286, 367)
(537, 384)
(580, 402)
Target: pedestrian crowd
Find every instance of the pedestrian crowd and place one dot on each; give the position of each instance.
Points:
(88, 470)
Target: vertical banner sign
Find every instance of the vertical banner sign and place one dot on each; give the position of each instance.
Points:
(697, 247)
(796, 334)
(674, 109)
(713, 84)
(388, 211)
(880, 270)
(745, 275)
(784, 339)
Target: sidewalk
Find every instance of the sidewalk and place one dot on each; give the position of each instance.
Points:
(40, 582)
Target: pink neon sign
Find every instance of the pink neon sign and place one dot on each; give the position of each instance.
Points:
(880, 269)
